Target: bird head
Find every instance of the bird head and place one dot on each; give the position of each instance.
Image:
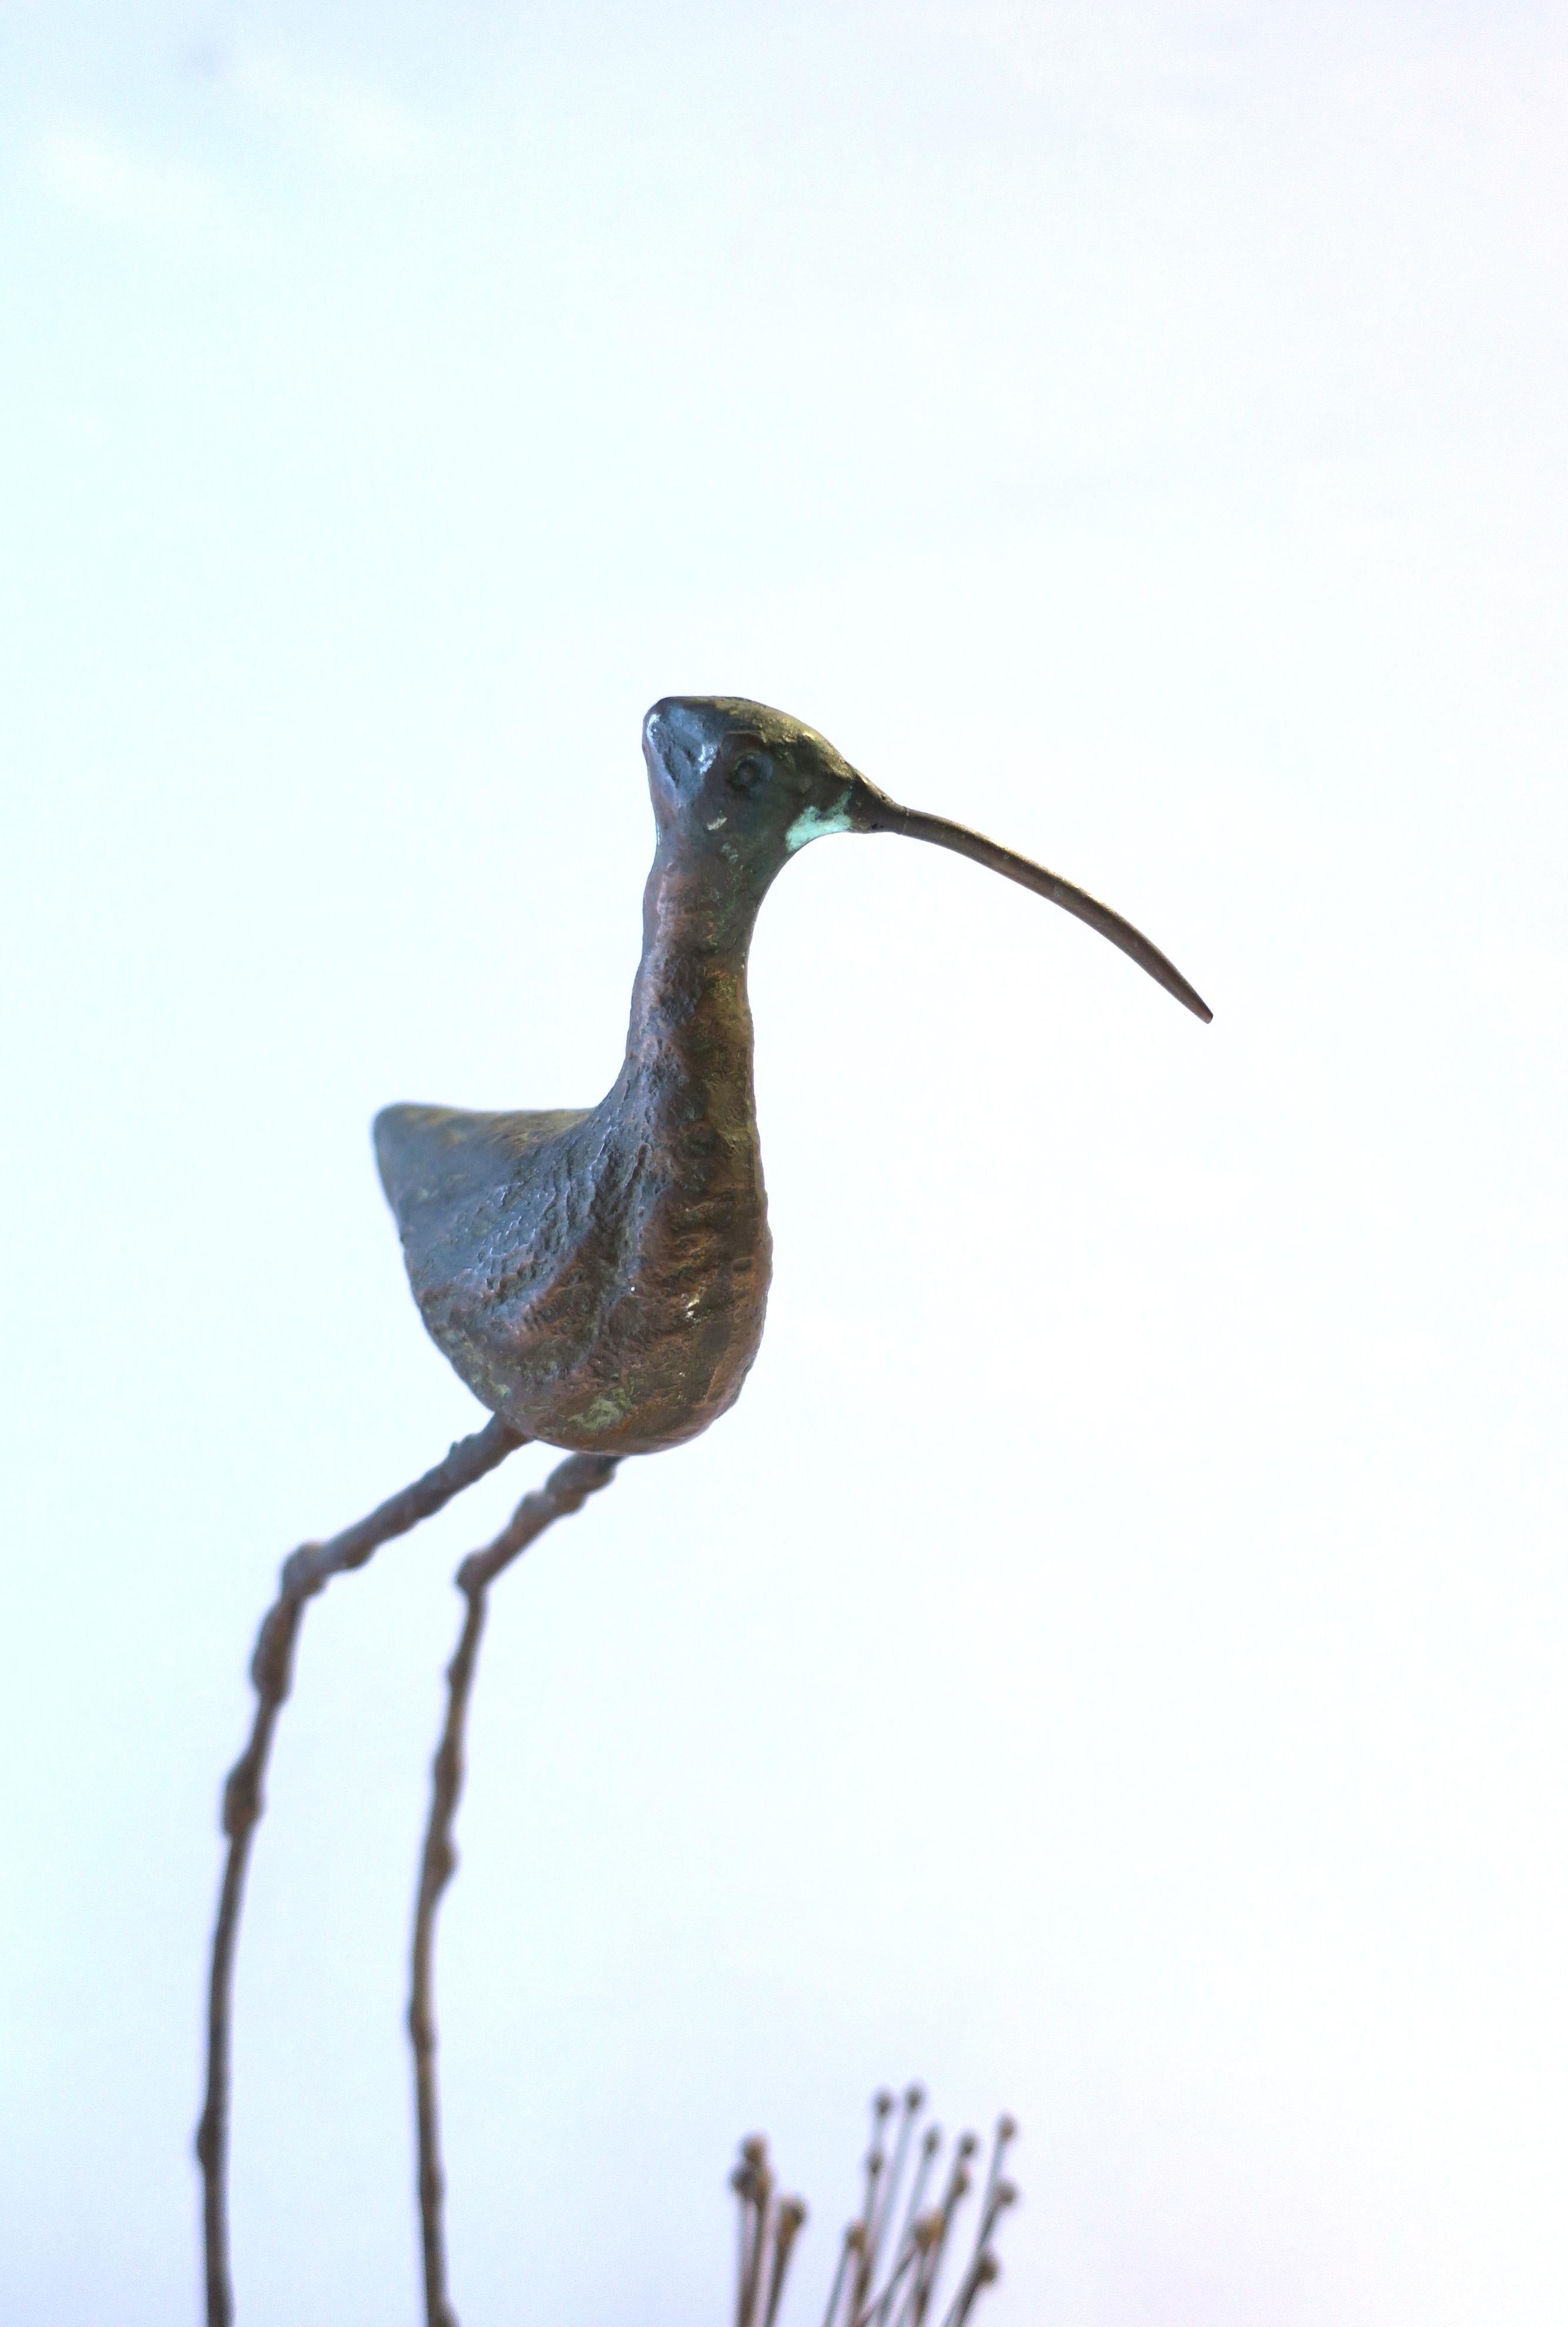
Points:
(750, 787)
(759, 784)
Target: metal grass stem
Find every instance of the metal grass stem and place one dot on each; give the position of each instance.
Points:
(846, 2247)
(984, 2271)
(914, 2101)
(924, 2283)
(880, 2304)
(790, 2217)
(882, 2108)
(305, 1573)
(1006, 2132)
(566, 1490)
(930, 2142)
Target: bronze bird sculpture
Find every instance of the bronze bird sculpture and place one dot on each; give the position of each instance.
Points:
(598, 1277)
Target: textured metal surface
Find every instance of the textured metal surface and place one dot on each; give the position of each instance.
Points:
(599, 1276)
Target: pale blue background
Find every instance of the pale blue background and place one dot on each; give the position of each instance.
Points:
(1111, 1661)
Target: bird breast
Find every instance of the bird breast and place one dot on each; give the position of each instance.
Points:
(600, 1280)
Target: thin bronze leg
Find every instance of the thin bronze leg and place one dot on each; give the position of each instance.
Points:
(567, 1489)
(306, 1572)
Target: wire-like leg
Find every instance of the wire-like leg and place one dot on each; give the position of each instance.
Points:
(567, 1489)
(306, 1572)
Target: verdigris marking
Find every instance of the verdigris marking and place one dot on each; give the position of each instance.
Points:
(606, 1410)
(813, 822)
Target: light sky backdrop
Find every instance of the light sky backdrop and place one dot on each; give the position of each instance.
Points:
(1110, 1663)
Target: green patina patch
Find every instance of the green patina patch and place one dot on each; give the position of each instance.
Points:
(814, 821)
(606, 1409)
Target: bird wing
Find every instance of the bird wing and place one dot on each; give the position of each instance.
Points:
(444, 1159)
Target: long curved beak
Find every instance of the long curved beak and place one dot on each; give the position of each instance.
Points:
(875, 812)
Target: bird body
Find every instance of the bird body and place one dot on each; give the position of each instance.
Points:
(599, 1276)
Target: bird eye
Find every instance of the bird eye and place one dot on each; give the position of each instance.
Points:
(748, 770)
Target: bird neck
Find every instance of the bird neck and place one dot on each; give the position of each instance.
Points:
(690, 1036)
